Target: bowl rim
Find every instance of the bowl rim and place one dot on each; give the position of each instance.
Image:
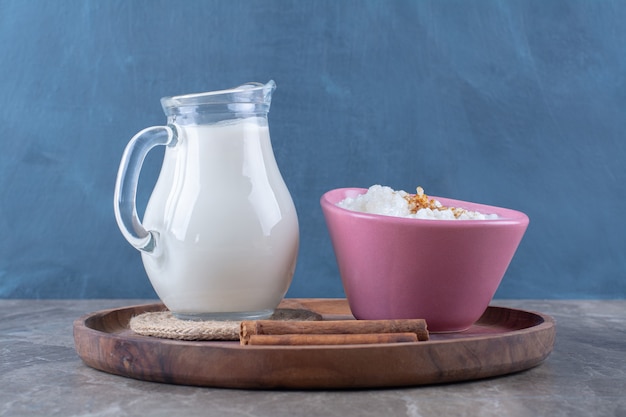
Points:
(506, 216)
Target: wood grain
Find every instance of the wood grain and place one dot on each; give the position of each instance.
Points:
(503, 341)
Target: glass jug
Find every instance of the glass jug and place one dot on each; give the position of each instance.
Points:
(219, 237)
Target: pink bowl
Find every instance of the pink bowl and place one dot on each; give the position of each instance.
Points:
(444, 271)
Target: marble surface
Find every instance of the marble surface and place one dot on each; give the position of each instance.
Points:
(40, 374)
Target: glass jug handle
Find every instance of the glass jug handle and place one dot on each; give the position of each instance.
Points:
(126, 186)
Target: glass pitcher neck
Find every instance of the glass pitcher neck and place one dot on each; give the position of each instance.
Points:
(246, 100)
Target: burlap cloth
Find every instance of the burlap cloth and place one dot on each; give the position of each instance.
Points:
(163, 324)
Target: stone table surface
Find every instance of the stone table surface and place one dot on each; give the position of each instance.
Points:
(41, 375)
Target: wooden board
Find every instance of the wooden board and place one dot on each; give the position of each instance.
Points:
(503, 341)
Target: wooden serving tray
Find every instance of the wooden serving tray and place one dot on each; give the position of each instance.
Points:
(503, 341)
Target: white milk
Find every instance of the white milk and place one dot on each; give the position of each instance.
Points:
(228, 227)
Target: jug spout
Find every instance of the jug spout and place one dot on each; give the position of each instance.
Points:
(268, 89)
(264, 91)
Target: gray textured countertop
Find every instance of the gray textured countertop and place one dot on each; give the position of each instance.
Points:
(40, 374)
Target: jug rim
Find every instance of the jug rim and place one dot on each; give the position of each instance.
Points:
(251, 92)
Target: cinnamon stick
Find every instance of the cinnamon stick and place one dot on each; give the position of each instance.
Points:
(329, 339)
(277, 327)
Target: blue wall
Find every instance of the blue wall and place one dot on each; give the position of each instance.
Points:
(520, 104)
